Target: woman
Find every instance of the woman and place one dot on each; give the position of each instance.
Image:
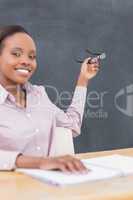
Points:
(27, 116)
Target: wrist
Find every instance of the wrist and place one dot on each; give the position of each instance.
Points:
(27, 161)
(82, 80)
(18, 160)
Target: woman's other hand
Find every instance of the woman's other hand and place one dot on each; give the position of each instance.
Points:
(65, 163)
(89, 69)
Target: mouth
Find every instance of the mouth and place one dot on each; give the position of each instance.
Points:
(23, 70)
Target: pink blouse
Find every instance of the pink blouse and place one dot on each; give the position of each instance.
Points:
(30, 130)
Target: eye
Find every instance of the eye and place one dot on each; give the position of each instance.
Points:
(17, 54)
(32, 57)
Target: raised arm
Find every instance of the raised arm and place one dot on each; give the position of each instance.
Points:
(72, 118)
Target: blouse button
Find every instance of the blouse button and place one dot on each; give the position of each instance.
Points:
(38, 148)
(28, 115)
(37, 130)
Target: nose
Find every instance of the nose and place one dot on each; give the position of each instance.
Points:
(25, 61)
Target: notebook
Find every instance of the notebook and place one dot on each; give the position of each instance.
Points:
(101, 168)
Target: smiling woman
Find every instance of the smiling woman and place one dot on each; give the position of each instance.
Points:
(27, 117)
(18, 54)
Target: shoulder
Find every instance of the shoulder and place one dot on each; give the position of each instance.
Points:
(40, 89)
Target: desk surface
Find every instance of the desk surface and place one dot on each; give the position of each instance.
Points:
(16, 186)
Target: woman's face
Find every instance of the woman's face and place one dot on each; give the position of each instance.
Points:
(17, 59)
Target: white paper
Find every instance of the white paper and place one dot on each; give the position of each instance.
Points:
(60, 178)
(100, 168)
(123, 164)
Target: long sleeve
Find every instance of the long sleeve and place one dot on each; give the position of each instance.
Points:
(30, 131)
(72, 118)
(8, 159)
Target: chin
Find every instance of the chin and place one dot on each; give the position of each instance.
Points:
(20, 81)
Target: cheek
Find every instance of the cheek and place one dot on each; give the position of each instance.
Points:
(7, 66)
(35, 66)
(6, 69)
(9, 61)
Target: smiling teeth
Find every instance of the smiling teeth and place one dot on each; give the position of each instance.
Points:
(24, 71)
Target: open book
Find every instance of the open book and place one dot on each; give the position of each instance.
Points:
(100, 168)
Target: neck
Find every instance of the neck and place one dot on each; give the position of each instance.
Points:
(10, 86)
(20, 95)
(16, 90)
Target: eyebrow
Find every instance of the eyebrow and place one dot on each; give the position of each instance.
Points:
(20, 49)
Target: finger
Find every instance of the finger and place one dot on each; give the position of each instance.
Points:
(77, 164)
(94, 64)
(71, 167)
(94, 60)
(97, 66)
(65, 164)
(93, 67)
(80, 167)
(62, 167)
(87, 60)
(69, 161)
(57, 164)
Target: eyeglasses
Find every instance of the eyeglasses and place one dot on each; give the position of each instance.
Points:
(94, 56)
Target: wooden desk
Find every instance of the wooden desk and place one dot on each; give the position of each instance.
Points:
(16, 186)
